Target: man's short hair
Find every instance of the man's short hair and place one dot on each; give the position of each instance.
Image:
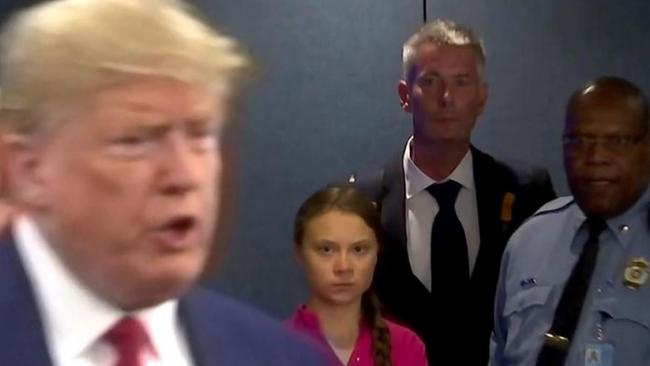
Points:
(613, 87)
(441, 32)
(64, 49)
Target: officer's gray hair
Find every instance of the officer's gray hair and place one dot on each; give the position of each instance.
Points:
(441, 32)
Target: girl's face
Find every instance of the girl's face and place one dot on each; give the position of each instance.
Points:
(339, 253)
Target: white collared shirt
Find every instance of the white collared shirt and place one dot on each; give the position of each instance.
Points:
(74, 318)
(422, 208)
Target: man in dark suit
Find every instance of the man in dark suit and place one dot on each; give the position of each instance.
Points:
(447, 207)
(113, 112)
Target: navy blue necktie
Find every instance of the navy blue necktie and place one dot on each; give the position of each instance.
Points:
(449, 262)
(449, 277)
(567, 314)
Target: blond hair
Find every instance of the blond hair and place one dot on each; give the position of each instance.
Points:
(441, 32)
(67, 48)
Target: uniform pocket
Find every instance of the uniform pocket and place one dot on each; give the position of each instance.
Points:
(629, 310)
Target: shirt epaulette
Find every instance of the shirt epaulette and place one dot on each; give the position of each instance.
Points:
(557, 205)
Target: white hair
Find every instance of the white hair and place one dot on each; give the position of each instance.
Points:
(441, 32)
(67, 48)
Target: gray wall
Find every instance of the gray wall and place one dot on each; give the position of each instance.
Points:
(326, 105)
(538, 52)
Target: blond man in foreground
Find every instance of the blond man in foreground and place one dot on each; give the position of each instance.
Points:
(115, 110)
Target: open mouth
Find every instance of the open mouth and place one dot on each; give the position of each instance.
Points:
(180, 224)
(178, 233)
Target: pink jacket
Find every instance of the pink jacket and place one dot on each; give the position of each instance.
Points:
(407, 348)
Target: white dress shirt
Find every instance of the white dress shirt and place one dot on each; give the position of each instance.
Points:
(422, 208)
(74, 319)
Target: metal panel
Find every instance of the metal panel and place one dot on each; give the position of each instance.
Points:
(538, 52)
(325, 106)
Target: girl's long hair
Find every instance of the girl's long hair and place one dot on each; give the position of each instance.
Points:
(350, 200)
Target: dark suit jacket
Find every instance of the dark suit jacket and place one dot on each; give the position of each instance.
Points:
(505, 196)
(219, 331)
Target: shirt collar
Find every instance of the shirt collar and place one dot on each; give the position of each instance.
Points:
(74, 318)
(417, 181)
(307, 318)
(634, 218)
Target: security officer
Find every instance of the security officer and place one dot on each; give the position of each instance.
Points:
(573, 288)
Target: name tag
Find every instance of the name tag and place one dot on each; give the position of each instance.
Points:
(599, 354)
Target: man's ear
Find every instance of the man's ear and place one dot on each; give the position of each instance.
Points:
(22, 166)
(404, 96)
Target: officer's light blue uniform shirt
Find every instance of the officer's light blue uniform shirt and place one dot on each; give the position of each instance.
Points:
(535, 266)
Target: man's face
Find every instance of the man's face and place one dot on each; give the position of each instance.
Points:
(444, 93)
(606, 155)
(126, 191)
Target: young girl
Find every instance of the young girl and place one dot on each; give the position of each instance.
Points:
(337, 234)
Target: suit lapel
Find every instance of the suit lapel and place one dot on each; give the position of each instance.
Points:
(207, 341)
(22, 341)
(491, 186)
(393, 216)
(490, 190)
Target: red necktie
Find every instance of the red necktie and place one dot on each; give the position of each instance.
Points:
(129, 339)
